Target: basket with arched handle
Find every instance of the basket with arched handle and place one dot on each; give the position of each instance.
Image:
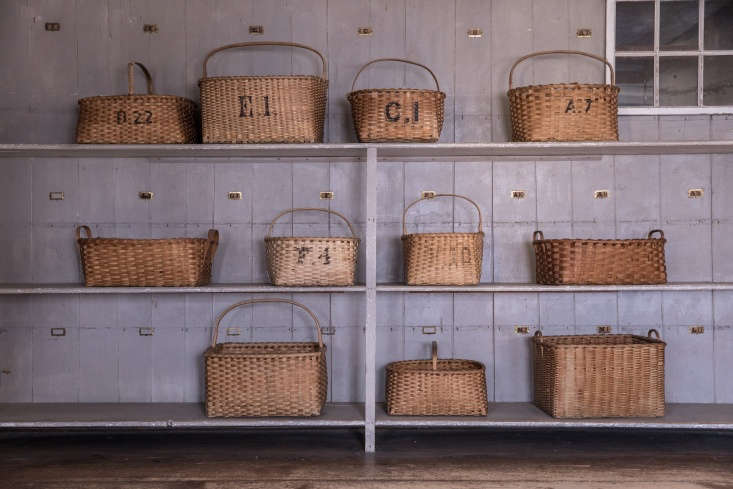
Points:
(601, 375)
(263, 109)
(311, 261)
(268, 378)
(442, 258)
(600, 261)
(397, 114)
(436, 387)
(136, 118)
(564, 111)
(129, 262)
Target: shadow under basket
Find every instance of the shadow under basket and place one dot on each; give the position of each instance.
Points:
(597, 376)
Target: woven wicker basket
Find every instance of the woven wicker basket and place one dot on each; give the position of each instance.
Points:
(176, 262)
(449, 387)
(265, 379)
(311, 261)
(564, 111)
(263, 109)
(136, 119)
(600, 261)
(594, 376)
(397, 114)
(442, 258)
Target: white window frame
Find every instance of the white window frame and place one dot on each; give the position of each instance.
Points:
(656, 53)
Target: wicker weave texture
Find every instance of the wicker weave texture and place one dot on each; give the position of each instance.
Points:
(600, 261)
(564, 111)
(174, 262)
(136, 119)
(397, 115)
(311, 261)
(263, 109)
(442, 258)
(593, 376)
(265, 379)
(448, 387)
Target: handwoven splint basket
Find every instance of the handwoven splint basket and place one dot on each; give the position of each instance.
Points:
(594, 376)
(564, 111)
(600, 261)
(435, 387)
(136, 118)
(265, 379)
(173, 262)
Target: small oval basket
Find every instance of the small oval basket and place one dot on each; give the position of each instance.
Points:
(173, 262)
(135, 118)
(447, 387)
(397, 114)
(265, 379)
(600, 261)
(442, 258)
(595, 376)
(311, 261)
(263, 109)
(564, 111)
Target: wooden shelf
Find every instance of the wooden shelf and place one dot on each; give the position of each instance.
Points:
(529, 288)
(37, 289)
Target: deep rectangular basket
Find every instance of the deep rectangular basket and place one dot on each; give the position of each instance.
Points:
(265, 379)
(436, 387)
(600, 261)
(595, 376)
(174, 262)
(311, 261)
(263, 109)
(442, 258)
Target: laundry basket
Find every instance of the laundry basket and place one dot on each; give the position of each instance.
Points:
(311, 261)
(594, 376)
(436, 387)
(265, 379)
(397, 114)
(442, 258)
(263, 109)
(136, 118)
(564, 111)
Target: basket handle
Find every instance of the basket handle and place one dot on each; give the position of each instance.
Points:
(434, 355)
(324, 75)
(131, 77)
(538, 236)
(297, 209)
(229, 309)
(213, 245)
(404, 214)
(399, 60)
(561, 51)
(86, 230)
(656, 333)
(661, 233)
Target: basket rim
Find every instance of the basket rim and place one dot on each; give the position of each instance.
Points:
(261, 77)
(99, 98)
(146, 240)
(574, 85)
(472, 366)
(646, 341)
(596, 240)
(399, 90)
(211, 351)
(312, 238)
(410, 235)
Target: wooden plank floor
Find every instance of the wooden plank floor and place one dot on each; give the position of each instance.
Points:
(333, 459)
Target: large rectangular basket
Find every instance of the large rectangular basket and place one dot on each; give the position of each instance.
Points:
(265, 379)
(600, 261)
(442, 258)
(447, 387)
(174, 262)
(564, 111)
(594, 376)
(263, 109)
(397, 114)
(311, 261)
(135, 118)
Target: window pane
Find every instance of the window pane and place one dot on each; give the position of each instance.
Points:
(635, 77)
(634, 26)
(678, 81)
(717, 80)
(718, 22)
(678, 25)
